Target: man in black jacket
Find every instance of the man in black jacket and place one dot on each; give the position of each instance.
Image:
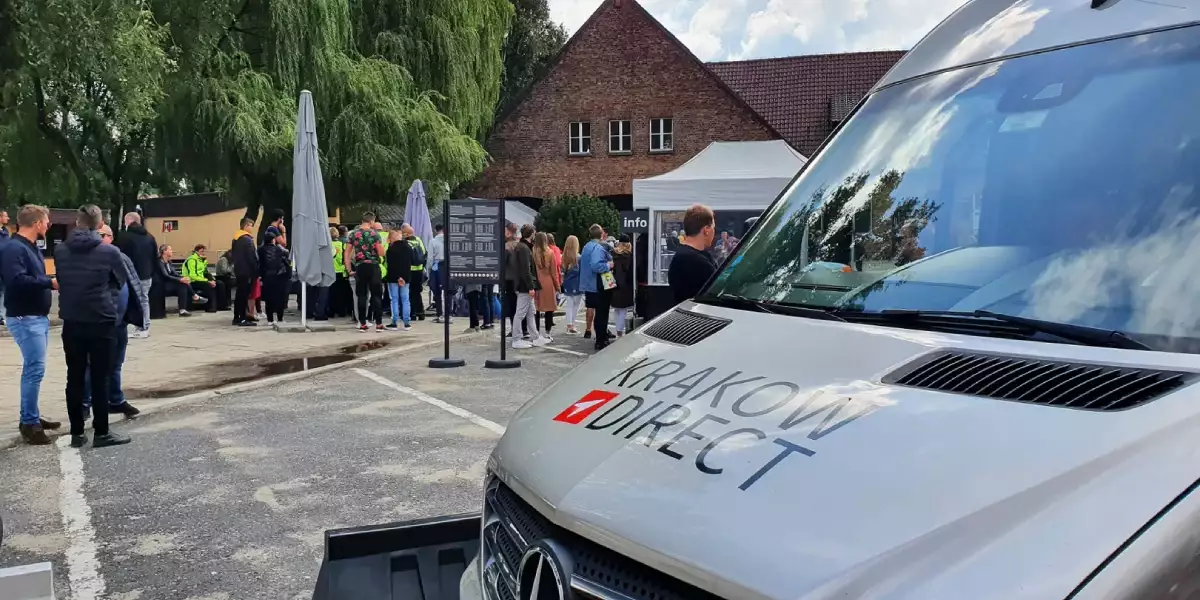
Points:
(142, 249)
(245, 272)
(90, 275)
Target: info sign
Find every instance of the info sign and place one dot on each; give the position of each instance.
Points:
(475, 240)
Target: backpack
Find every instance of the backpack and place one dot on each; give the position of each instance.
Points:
(419, 255)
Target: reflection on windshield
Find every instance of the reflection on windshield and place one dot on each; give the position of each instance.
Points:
(1061, 186)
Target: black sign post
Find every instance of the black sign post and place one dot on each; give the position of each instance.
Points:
(448, 239)
(475, 253)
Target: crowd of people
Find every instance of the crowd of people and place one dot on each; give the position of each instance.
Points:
(104, 287)
(102, 291)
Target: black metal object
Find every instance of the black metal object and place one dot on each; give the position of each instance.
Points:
(685, 327)
(411, 560)
(444, 269)
(503, 362)
(1063, 384)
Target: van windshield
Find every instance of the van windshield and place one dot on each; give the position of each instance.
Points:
(1062, 186)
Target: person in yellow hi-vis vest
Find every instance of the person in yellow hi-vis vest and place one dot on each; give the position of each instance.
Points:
(195, 268)
(417, 277)
(341, 298)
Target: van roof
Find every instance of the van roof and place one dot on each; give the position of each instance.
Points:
(986, 30)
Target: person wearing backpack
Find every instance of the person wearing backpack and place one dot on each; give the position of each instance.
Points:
(417, 275)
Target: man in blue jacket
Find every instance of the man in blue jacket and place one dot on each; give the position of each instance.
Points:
(28, 304)
(90, 277)
(594, 262)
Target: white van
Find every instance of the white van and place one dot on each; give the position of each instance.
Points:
(988, 395)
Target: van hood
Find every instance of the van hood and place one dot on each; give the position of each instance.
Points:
(769, 461)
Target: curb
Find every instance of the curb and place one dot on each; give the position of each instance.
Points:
(159, 405)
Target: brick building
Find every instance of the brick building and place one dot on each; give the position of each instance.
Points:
(625, 99)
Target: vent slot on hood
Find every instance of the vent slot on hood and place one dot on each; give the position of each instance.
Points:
(1036, 381)
(685, 328)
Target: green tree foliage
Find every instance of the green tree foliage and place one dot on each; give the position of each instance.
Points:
(380, 123)
(533, 41)
(80, 80)
(574, 214)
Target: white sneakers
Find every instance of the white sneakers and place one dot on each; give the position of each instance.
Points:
(542, 341)
(522, 344)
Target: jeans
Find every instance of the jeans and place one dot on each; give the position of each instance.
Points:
(479, 306)
(401, 303)
(146, 283)
(116, 397)
(435, 286)
(619, 319)
(572, 305)
(527, 315)
(88, 346)
(367, 285)
(32, 335)
(2, 310)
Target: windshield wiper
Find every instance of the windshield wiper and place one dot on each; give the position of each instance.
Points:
(773, 308)
(1081, 334)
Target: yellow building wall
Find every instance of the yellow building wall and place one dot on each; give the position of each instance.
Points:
(214, 231)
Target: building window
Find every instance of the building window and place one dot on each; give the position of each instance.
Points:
(620, 137)
(581, 138)
(661, 133)
(169, 226)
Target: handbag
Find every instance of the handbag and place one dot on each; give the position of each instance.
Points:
(608, 280)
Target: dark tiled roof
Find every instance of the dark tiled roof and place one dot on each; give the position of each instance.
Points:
(803, 97)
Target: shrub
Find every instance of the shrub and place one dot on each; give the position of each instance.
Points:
(573, 214)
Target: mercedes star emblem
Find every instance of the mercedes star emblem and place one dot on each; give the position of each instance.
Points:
(541, 576)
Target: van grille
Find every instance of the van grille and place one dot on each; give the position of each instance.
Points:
(684, 327)
(1036, 381)
(511, 526)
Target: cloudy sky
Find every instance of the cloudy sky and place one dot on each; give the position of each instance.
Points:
(738, 29)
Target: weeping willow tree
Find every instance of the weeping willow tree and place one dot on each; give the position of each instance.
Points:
(382, 122)
(452, 48)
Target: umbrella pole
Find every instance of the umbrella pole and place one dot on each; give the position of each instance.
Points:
(303, 304)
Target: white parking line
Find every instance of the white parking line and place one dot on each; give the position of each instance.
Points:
(430, 400)
(83, 568)
(564, 351)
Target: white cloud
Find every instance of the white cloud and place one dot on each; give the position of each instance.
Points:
(722, 29)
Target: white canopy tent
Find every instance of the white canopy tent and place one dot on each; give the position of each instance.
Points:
(730, 175)
(738, 180)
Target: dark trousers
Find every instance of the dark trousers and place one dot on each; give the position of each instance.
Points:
(416, 294)
(223, 290)
(88, 346)
(206, 290)
(603, 304)
(241, 298)
(318, 302)
(182, 293)
(479, 307)
(548, 318)
(341, 298)
(435, 285)
(369, 284)
(275, 294)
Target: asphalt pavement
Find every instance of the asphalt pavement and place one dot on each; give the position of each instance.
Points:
(228, 497)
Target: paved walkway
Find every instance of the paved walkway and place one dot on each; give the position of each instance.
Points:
(198, 353)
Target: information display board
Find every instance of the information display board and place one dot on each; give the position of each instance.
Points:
(475, 240)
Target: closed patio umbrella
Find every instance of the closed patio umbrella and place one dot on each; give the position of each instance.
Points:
(310, 215)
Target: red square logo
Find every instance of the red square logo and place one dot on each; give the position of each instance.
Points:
(585, 406)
